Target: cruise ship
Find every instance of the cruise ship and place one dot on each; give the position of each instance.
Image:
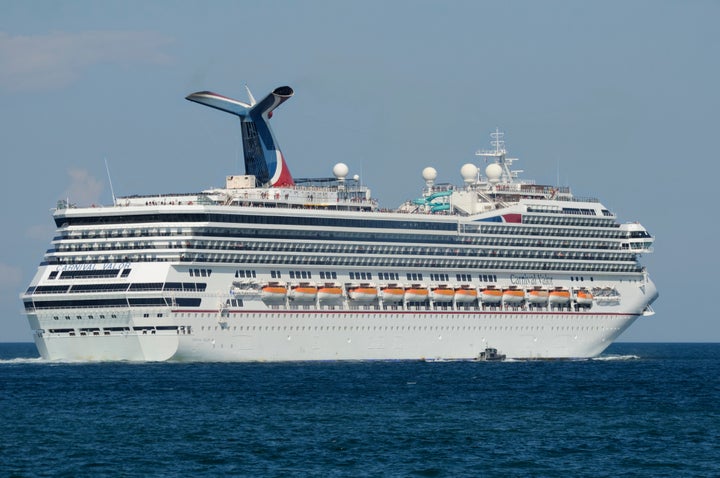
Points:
(271, 267)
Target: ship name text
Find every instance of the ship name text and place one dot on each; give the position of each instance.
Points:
(531, 279)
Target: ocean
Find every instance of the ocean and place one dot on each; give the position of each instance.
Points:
(637, 410)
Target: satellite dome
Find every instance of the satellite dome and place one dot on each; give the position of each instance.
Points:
(493, 172)
(429, 174)
(469, 172)
(356, 177)
(340, 170)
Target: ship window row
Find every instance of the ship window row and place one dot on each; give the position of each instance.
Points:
(568, 221)
(234, 303)
(548, 231)
(98, 303)
(79, 317)
(119, 287)
(347, 258)
(334, 248)
(201, 272)
(436, 251)
(337, 236)
(388, 276)
(431, 263)
(361, 276)
(333, 245)
(245, 274)
(416, 223)
(300, 274)
(463, 277)
(328, 275)
(575, 210)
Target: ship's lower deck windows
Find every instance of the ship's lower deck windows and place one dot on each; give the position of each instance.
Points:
(300, 275)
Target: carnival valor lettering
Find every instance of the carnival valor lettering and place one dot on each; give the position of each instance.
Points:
(531, 279)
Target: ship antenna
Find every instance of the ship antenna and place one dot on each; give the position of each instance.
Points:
(112, 191)
(250, 96)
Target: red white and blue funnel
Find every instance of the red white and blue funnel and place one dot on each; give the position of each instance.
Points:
(263, 158)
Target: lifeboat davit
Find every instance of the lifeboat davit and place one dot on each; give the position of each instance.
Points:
(329, 293)
(416, 294)
(273, 294)
(559, 297)
(303, 293)
(491, 296)
(392, 294)
(584, 298)
(538, 297)
(465, 295)
(363, 293)
(513, 296)
(442, 294)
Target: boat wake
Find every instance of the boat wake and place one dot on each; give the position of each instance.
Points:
(24, 360)
(609, 358)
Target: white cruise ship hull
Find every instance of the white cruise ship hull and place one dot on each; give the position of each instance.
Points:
(257, 332)
(354, 336)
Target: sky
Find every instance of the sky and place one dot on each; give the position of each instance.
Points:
(617, 99)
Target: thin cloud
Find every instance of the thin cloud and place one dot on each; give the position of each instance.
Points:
(40, 232)
(84, 189)
(41, 62)
(9, 276)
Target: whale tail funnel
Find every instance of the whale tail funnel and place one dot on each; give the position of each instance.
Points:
(263, 158)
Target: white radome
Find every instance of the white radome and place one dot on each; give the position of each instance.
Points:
(341, 170)
(493, 172)
(469, 172)
(429, 174)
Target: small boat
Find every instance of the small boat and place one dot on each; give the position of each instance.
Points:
(584, 298)
(490, 355)
(416, 293)
(538, 296)
(329, 293)
(392, 294)
(465, 295)
(513, 296)
(442, 294)
(273, 293)
(491, 296)
(363, 293)
(303, 292)
(559, 297)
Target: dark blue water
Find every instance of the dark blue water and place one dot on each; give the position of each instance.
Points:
(639, 410)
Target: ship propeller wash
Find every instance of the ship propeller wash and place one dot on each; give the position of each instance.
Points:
(275, 268)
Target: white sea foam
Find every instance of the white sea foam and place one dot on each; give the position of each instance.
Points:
(616, 357)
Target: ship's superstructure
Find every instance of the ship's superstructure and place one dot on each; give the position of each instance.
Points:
(274, 268)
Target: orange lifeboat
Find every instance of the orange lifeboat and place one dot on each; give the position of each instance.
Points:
(416, 293)
(442, 294)
(538, 297)
(559, 297)
(513, 296)
(491, 296)
(584, 298)
(465, 295)
(392, 294)
(273, 293)
(363, 293)
(303, 293)
(329, 293)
